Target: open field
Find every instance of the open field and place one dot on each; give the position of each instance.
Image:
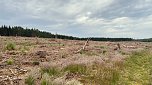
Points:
(44, 61)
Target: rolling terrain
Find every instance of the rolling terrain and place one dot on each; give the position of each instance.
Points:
(48, 61)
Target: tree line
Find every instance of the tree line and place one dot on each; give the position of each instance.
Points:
(145, 40)
(25, 32)
(20, 31)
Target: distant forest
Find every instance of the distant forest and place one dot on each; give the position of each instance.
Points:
(25, 32)
(145, 40)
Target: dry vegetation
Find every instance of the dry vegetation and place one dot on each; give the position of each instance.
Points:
(42, 61)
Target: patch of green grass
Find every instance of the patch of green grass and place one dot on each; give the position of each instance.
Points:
(27, 44)
(104, 52)
(56, 44)
(30, 80)
(97, 74)
(23, 49)
(10, 46)
(137, 70)
(76, 68)
(89, 53)
(10, 61)
(102, 75)
(52, 71)
(123, 53)
(102, 47)
(36, 63)
(44, 82)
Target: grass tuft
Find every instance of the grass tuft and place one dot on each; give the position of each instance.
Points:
(10, 46)
(76, 68)
(10, 61)
(36, 63)
(52, 71)
(44, 82)
(102, 75)
(30, 80)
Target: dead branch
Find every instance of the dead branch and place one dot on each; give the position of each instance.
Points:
(83, 48)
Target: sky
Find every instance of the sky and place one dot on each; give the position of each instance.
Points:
(81, 18)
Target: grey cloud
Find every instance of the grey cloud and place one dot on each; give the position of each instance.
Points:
(85, 18)
(127, 8)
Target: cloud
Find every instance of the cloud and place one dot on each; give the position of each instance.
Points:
(85, 18)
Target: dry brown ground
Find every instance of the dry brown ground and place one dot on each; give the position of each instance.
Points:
(58, 53)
